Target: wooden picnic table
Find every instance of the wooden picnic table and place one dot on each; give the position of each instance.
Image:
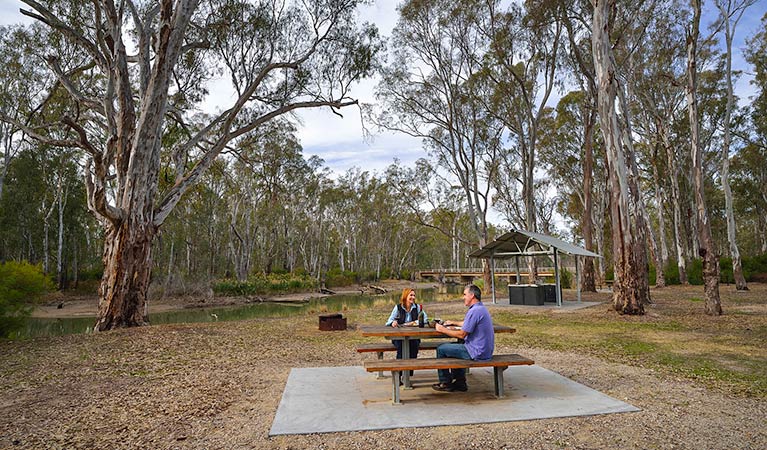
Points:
(406, 333)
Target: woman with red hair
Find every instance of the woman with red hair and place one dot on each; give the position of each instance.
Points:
(406, 311)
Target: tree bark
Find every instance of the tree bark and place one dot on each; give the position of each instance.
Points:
(659, 200)
(737, 266)
(706, 249)
(588, 284)
(127, 263)
(61, 200)
(631, 289)
(676, 201)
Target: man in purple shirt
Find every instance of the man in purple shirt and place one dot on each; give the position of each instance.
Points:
(476, 329)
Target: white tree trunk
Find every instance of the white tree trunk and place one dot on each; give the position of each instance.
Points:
(707, 249)
(729, 30)
(61, 202)
(676, 202)
(631, 289)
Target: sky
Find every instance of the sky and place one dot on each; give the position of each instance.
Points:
(341, 143)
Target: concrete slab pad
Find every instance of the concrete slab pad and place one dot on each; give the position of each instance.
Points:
(330, 399)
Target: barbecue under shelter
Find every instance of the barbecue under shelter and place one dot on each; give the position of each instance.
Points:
(518, 243)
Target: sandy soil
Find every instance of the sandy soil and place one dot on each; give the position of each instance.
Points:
(217, 385)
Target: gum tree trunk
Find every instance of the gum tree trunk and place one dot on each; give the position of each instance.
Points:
(589, 284)
(631, 289)
(706, 248)
(127, 263)
(660, 278)
(737, 266)
(681, 259)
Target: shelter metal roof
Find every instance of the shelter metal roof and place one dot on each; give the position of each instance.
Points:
(517, 243)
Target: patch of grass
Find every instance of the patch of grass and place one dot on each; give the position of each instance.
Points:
(721, 352)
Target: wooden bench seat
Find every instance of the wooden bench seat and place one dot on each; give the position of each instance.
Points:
(499, 363)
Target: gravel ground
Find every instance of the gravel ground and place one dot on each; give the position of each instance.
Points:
(218, 385)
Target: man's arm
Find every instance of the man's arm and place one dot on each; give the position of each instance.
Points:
(458, 334)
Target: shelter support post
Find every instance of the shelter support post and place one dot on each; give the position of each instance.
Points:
(516, 259)
(492, 277)
(578, 275)
(556, 277)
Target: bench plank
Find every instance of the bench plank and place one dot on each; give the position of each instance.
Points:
(445, 363)
(499, 363)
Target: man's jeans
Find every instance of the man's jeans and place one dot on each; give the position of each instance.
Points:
(452, 351)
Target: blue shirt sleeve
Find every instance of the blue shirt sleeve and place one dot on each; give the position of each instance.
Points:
(393, 316)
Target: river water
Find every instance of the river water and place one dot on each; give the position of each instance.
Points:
(35, 327)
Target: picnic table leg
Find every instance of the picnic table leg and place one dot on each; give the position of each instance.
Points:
(395, 374)
(498, 376)
(380, 372)
(406, 355)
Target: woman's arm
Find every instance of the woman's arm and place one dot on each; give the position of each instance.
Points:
(392, 318)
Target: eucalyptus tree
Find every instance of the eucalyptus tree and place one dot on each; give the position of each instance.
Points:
(707, 248)
(749, 181)
(569, 162)
(431, 90)
(575, 16)
(525, 48)
(655, 74)
(756, 55)
(659, 97)
(149, 63)
(430, 201)
(631, 288)
(21, 88)
(749, 170)
(731, 11)
(312, 227)
(520, 67)
(268, 168)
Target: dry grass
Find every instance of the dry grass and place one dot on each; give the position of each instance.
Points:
(699, 380)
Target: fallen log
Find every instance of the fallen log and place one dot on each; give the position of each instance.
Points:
(377, 289)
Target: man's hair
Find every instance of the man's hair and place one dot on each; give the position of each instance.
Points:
(475, 290)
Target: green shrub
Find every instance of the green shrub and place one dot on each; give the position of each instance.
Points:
(336, 278)
(755, 268)
(21, 285)
(672, 273)
(565, 278)
(275, 283)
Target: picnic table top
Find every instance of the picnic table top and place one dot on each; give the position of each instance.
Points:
(415, 332)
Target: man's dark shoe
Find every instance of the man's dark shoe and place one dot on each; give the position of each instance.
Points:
(459, 386)
(443, 387)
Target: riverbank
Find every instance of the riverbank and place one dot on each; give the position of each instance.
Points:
(218, 384)
(60, 305)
